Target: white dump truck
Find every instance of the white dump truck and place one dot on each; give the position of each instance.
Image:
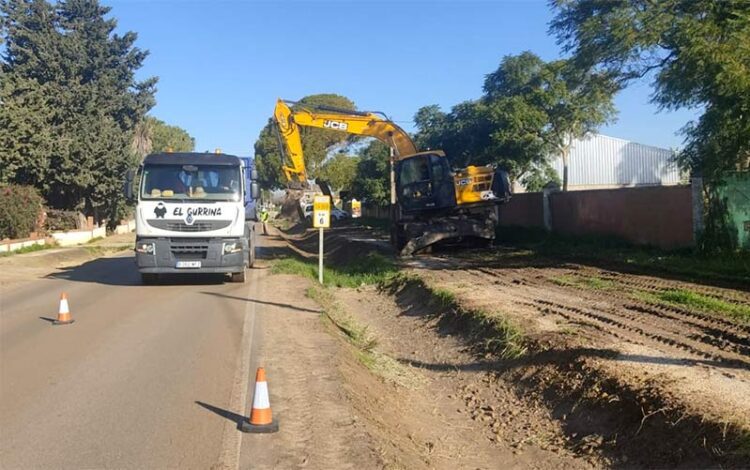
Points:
(195, 213)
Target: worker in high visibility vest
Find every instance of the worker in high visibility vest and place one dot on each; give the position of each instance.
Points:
(264, 220)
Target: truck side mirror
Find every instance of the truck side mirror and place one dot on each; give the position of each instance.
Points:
(129, 179)
(254, 174)
(254, 191)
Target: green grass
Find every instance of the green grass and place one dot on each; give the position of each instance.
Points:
(593, 283)
(29, 249)
(495, 332)
(694, 300)
(364, 341)
(370, 269)
(98, 250)
(685, 262)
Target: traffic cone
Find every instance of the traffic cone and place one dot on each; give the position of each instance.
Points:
(261, 420)
(63, 314)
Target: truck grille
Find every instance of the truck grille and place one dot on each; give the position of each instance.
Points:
(180, 226)
(189, 248)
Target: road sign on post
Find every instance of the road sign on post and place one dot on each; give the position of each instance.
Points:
(356, 209)
(321, 212)
(321, 220)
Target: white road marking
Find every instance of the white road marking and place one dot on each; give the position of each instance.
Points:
(229, 458)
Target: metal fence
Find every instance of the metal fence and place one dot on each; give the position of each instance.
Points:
(600, 161)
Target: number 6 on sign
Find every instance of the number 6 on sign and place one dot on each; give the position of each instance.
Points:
(321, 212)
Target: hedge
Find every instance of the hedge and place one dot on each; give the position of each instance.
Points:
(20, 211)
(62, 220)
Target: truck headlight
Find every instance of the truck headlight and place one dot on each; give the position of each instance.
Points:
(232, 247)
(147, 248)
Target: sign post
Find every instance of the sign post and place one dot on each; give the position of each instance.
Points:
(321, 220)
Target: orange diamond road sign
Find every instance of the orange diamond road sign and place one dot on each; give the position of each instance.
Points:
(321, 212)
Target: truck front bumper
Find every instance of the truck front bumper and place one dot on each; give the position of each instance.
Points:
(205, 255)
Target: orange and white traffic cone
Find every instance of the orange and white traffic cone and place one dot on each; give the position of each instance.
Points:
(261, 419)
(64, 316)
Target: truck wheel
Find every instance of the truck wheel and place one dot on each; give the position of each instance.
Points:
(148, 279)
(239, 277)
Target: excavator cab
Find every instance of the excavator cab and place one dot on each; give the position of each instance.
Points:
(424, 182)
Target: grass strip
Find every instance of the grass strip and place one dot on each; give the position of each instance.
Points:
(493, 331)
(593, 283)
(696, 301)
(28, 249)
(364, 341)
(367, 270)
(734, 267)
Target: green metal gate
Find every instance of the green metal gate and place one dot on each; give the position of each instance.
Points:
(735, 191)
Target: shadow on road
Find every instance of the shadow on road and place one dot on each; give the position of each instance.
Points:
(121, 271)
(116, 271)
(273, 304)
(238, 419)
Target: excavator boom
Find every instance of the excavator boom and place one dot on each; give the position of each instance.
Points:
(369, 124)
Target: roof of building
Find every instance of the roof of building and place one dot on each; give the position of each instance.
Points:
(191, 158)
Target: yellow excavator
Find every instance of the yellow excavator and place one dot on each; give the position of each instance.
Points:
(430, 202)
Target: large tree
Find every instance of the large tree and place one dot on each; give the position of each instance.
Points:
(70, 103)
(697, 52)
(316, 143)
(569, 102)
(153, 135)
(166, 137)
(530, 110)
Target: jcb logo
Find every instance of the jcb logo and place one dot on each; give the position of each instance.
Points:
(336, 125)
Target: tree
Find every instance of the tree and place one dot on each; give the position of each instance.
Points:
(339, 171)
(153, 135)
(530, 110)
(70, 103)
(570, 103)
(27, 93)
(373, 174)
(695, 51)
(166, 137)
(316, 143)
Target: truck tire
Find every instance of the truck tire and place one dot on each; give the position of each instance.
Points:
(238, 277)
(149, 279)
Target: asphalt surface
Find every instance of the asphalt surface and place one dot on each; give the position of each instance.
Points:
(146, 377)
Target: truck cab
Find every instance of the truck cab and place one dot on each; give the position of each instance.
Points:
(195, 213)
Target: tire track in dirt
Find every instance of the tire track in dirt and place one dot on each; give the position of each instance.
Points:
(708, 337)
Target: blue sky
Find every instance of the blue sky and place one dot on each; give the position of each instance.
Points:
(222, 64)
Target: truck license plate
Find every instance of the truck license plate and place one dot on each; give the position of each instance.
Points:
(188, 264)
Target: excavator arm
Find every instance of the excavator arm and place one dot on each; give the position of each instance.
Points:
(369, 124)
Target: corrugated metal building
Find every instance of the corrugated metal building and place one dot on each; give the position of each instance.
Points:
(600, 161)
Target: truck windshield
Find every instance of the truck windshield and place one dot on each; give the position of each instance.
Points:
(210, 182)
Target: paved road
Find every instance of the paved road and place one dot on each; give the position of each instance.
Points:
(140, 380)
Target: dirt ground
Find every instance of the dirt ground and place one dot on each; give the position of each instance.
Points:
(610, 376)
(27, 266)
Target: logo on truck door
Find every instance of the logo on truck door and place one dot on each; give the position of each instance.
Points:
(160, 211)
(336, 125)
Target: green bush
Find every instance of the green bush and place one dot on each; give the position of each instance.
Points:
(20, 210)
(62, 220)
